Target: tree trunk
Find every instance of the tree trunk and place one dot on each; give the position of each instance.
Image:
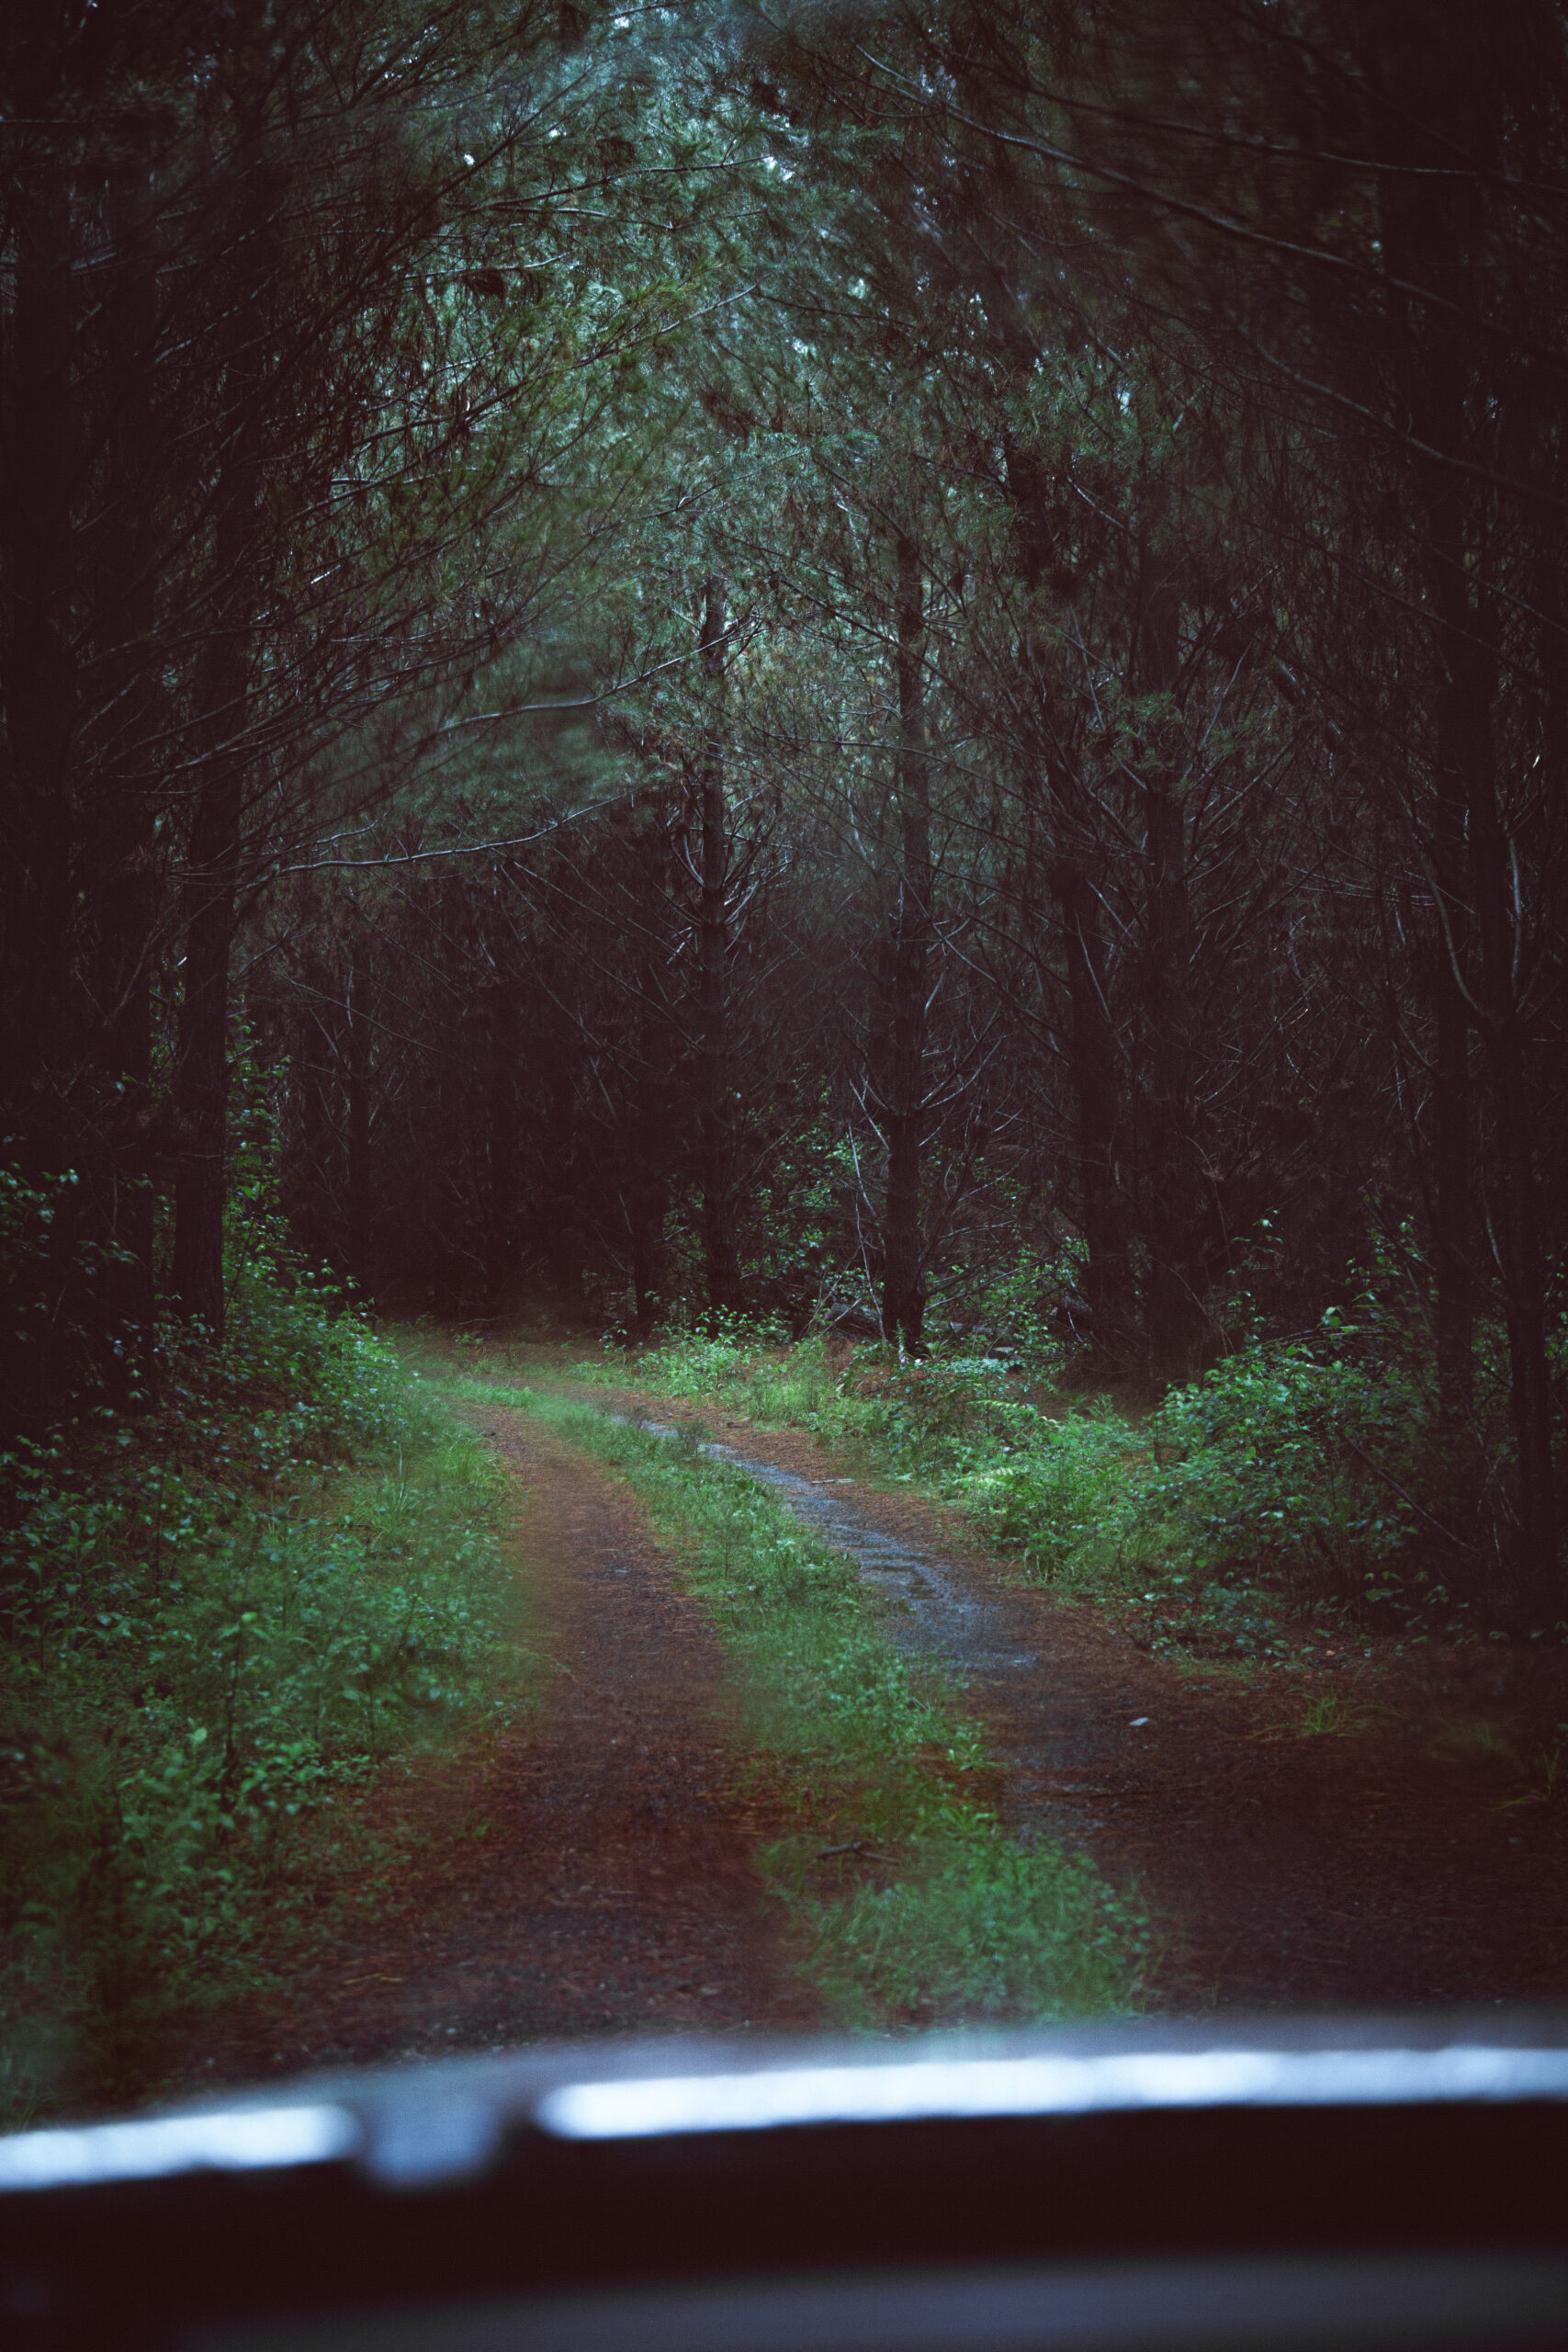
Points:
(357, 1191)
(658, 1055)
(1171, 1212)
(1467, 660)
(39, 926)
(1093, 1066)
(37, 824)
(565, 1226)
(903, 1298)
(201, 1084)
(1453, 1203)
(222, 715)
(1436, 237)
(714, 1137)
(311, 1064)
(503, 1251)
(1472, 662)
(127, 860)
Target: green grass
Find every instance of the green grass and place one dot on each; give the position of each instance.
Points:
(1239, 1525)
(218, 1621)
(1332, 1715)
(1050, 1489)
(938, 1914)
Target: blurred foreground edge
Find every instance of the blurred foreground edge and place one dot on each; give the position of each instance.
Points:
(1347, 2180)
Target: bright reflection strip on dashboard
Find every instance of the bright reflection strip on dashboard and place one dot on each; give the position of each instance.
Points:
(237, 2140)
(938, 2087)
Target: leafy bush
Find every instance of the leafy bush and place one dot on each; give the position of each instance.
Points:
(1017, 1310)
(942, 1416)
(214, 1627)
(1290, 1453)
(1065, 1504)
(700, 1364)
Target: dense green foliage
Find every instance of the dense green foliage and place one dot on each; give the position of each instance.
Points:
(945, 1918)
(220, 1618)
(751, 688)
(1292, 1484)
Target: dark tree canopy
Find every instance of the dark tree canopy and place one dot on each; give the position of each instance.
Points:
(795, 665)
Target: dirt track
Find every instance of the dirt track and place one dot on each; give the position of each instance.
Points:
(1387, 1868)
(1366, 1871)
(586, 1871)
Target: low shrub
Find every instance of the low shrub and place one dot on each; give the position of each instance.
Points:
(1292, 1455)
(217, 1620)
(1066, 1506)
(1287, 1479)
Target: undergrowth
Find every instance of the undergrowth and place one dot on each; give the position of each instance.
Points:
(220, 1618)
(913, 1901)
(1255, 1519)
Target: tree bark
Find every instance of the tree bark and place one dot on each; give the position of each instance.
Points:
(313, 1063)
(1170, 1209)
(903, 1295)
(503, 1237)
(1093, 1066)
(357, 1191)
(1471, 661)
(222, 706)
(1435, 238)
(715, 1137)
(126, 862)
(565, 1235)
(39, 929)
(37, 824)
(1453, 1201)
(657, 1054)
(1466, 661)
(201, 1085)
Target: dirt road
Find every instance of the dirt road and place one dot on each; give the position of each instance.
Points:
(589, 1871)
(586, 1871)
(1287, 1871)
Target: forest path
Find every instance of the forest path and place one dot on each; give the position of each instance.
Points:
(1309, 1871)
(584, 1872)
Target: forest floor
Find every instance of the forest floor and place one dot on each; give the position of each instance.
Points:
(587, 1870)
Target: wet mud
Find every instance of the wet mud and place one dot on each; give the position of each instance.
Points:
(588, 1869)
(1284, 1870)
(584, 1872)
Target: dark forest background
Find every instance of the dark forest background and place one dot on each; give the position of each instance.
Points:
(899, 667)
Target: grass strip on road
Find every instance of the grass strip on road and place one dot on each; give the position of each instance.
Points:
(1237, 1528)
(915, 1904)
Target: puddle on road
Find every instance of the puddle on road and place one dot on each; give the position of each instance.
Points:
(1048, 1732)
(943, 1615)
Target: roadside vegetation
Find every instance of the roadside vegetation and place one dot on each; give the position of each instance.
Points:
(914, 1904)
(1296, 1500)
(223, 1614)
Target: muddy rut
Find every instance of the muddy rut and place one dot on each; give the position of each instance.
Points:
(1284, 1870)
(586, 1871)
(589, 1869)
